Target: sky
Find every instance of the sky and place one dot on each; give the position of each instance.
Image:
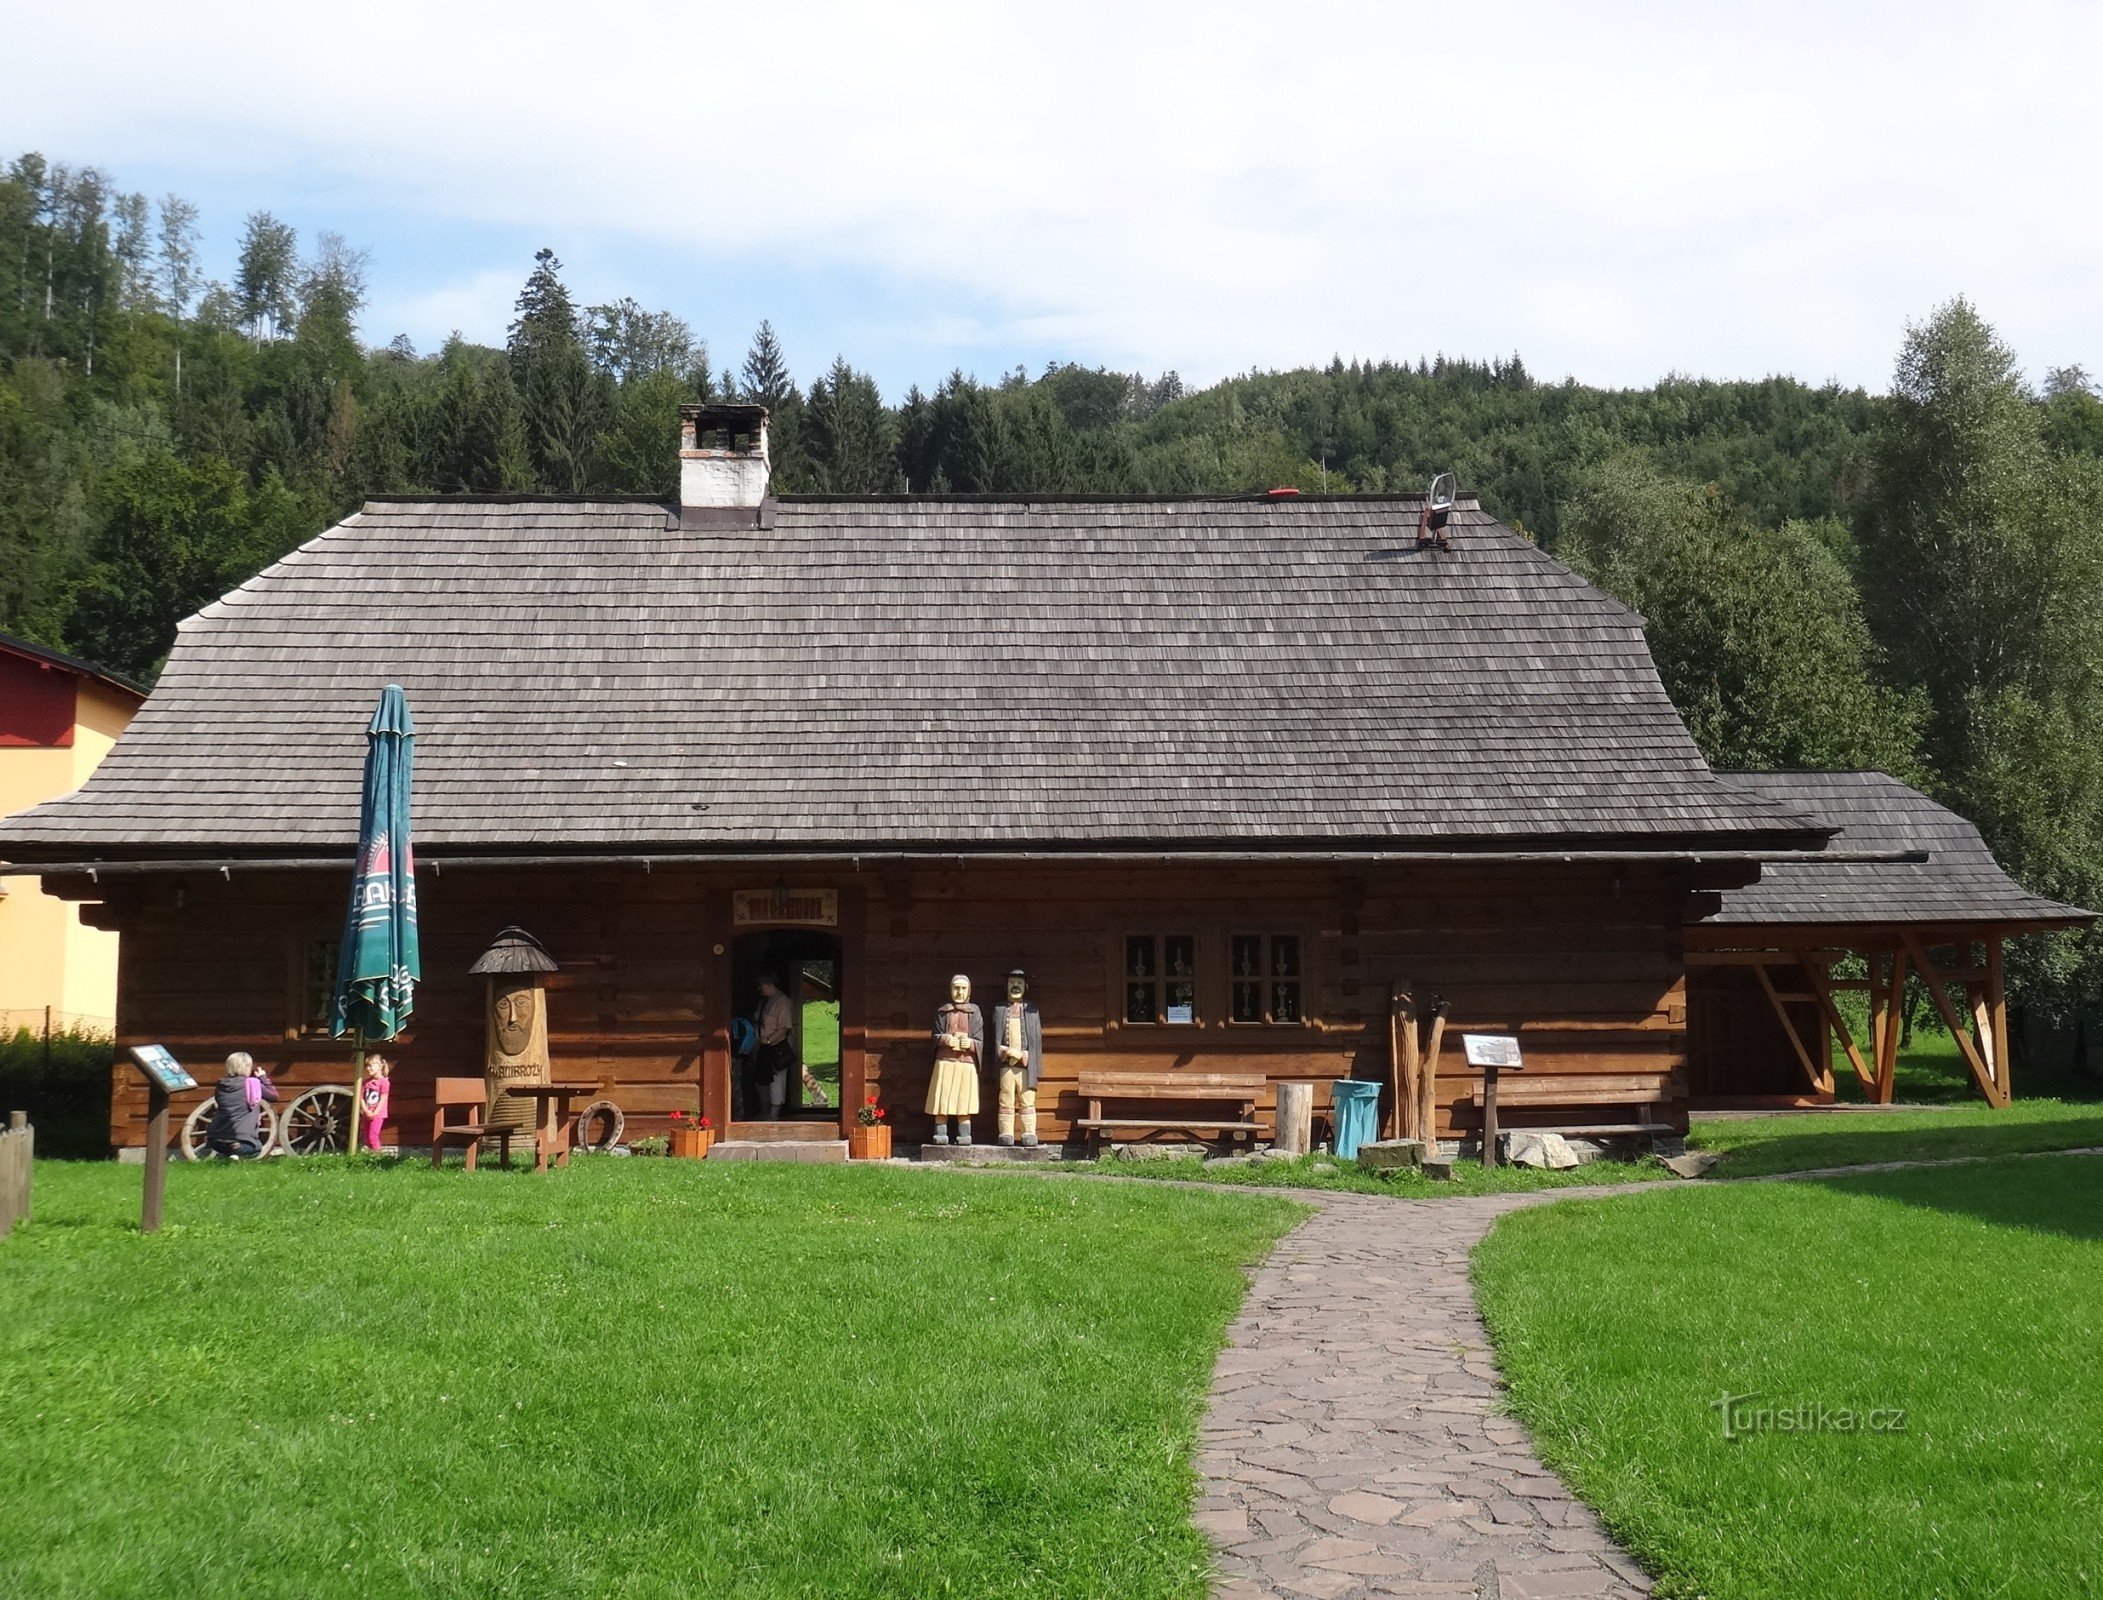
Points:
(1613, 191)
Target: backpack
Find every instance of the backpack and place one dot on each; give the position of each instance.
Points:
(744, 1037)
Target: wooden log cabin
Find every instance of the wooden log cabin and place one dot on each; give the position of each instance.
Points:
(1222, 774)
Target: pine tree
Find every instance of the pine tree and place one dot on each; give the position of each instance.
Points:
(766, 374)
(848, 436)
(563, 401)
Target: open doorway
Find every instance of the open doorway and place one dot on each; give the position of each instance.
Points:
(804, 964)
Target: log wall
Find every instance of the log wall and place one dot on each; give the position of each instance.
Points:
(1584, 962)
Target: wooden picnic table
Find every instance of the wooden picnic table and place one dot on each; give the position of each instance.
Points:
(551, 1130)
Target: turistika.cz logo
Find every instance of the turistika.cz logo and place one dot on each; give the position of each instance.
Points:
(1743, 1416)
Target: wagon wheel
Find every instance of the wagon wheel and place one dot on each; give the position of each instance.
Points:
(600, 1115)
(190, 1143)
(318, 1122)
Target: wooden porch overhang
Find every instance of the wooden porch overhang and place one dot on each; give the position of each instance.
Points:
(1805, 953)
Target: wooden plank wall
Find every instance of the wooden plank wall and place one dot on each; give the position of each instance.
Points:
(1584, 962)
(1736, 1047)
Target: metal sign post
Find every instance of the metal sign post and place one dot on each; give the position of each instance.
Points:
(1492, 1052)
(163, 1075)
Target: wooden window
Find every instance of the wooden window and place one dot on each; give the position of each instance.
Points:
(313, 988)
(1161, 979)
(1265, 980)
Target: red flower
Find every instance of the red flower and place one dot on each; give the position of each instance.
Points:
(703, 1122)
(679, 1116)
(879, 1113)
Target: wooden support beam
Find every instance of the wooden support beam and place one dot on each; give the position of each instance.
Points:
(1428, 1078)
(1822, 992)
(1820, 1081)
(1888, 997)
(1398, 1113)
(1410, 1111)
(1982, 1072)
(1759, 958)
(1997, 1012)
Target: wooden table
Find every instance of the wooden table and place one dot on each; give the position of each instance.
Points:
(551, 1129)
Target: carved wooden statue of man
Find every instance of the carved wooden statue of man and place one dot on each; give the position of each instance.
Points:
(1018, 1034)
(960, 1042)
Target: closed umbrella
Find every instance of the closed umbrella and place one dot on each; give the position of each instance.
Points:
(378, 964)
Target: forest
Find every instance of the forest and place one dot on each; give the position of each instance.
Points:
(1910, 580)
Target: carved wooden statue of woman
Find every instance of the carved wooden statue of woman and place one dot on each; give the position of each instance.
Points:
(960, 1042)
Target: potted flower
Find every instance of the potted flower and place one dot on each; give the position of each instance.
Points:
(870, 1137)
(692, 1134)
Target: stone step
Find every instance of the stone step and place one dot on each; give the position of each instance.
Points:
(975, 1154)
(778, 1150)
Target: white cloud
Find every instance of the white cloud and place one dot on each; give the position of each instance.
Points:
(1612, 190)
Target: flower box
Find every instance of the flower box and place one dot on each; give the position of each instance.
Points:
(692, 1143)
(869, 1143)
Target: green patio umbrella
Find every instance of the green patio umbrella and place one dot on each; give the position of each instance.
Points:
(378, 964)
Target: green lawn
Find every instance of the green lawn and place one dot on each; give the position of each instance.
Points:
(1967, 1296)
(1753, 1146)
(635, 1378)
(1326, 1172)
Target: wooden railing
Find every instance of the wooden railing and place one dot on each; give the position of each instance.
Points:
(17, 1149)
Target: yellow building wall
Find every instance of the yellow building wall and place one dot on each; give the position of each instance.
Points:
(47, 956)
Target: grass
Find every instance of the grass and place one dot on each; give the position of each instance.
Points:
(1755, 1146)
(1326, 1172)
(634, 1378)
(1967, 1296)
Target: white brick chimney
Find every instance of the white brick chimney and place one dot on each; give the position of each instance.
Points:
(723, 461)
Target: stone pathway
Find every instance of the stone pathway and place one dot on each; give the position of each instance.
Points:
(1353, 1444)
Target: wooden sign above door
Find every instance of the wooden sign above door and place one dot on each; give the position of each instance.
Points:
(809, 908)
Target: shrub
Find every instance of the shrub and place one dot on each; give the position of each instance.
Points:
(64, 1085)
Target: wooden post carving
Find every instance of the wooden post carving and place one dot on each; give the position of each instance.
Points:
(515, 1026)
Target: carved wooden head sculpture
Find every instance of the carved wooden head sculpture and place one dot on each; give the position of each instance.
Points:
(959, 990)
(513, 1000)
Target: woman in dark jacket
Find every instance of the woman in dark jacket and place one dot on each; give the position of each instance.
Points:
(236, 1130)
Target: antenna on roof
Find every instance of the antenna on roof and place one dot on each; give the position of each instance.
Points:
(1438, 504)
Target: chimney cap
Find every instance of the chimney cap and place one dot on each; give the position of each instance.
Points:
(739, 416)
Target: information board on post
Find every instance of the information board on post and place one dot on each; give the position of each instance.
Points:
(164, 1076)
(1494, 1053)
(162, 1069)
(1492, 1050)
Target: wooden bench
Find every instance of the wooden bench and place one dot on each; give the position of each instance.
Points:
(1221, 1103)
(1646, 1094)
(455, 1092)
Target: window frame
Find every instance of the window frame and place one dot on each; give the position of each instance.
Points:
(1159, 978)
(1266, 978)
(300, 1021)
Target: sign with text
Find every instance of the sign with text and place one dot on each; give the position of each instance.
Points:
(1491, 1050)
(811, 908)
(162, 1069)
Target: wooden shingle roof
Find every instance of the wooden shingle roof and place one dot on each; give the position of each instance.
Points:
(1958, 883)
(916, 673)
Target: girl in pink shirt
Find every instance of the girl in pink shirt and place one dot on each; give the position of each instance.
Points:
(374, 1090)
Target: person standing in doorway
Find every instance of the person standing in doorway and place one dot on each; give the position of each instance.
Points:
(772, 1019)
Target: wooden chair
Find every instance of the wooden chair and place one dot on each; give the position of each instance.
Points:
(1220, 1103)
(467, 1092)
